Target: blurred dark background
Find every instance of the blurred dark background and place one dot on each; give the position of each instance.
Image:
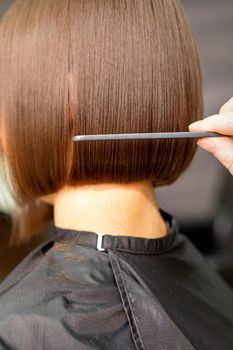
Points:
(202, 198)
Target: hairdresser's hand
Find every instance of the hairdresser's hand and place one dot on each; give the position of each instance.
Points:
(222, 147)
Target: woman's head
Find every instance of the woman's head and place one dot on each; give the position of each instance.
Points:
(84, 67)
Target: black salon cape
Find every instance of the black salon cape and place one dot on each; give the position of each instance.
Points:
(138, 293)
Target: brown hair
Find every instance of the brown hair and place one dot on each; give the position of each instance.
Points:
(85, 67)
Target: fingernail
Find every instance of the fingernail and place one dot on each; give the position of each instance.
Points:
(195, 125)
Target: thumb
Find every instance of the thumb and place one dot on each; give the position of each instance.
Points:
(221, 148)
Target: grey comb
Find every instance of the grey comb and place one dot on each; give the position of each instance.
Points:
(137, 136)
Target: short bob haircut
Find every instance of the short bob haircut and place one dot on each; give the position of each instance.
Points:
(70, 67)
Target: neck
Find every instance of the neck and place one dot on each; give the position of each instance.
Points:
(114, 209)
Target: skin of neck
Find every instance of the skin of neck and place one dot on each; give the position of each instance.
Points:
(114, 209)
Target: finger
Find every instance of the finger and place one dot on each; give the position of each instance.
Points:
(222, 124)
(227, 107)
(221, 148)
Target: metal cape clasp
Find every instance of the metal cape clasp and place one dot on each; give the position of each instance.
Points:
(99, 241)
